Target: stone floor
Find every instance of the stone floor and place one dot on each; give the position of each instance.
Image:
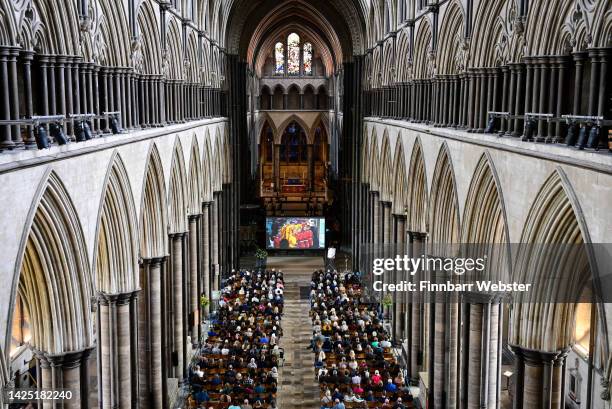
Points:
(298, 388)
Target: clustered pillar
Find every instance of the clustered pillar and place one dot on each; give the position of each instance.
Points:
(117, 351)
(535, 84)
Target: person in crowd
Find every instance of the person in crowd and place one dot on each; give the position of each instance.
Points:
(353, 352)
(238, 360)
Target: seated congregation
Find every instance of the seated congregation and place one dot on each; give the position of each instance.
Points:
(237, 364)
(354, 362)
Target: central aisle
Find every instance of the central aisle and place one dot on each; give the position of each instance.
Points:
(297, 385)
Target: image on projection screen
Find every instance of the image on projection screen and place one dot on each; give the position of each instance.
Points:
(297, 233)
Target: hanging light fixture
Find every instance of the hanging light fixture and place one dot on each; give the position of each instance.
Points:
(58, 133)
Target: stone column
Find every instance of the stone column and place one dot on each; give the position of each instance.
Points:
(399, 316)
(539, 382)
(471, 100)
(311, 170)
(150, 335)
(193, 275)
(561, 64)
(116, 333)
(215, 241)
(177, 241)
(14, 92)
(504, 98)
(544, 79)
(69, 94)
(27, 57)
(517, 99)
(531, 89)
(67, 370)
(205, 240)
(481, 352)
(276, 158)
(417, 248)
(377, 219)
(6, 141)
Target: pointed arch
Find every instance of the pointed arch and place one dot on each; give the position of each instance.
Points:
(178, 196)
(444, 206)
(417, 191)
(207, 169)
(555, 257)
(149, 39)
(400, 180)
(116, 255)
(283, 126)
(175, 51)
(153, 214)
(484, 220)
(451, 39)
(373, 162)
(422, 49)
(115, 34)
(385, 181)
(54, 280)
(196, 179)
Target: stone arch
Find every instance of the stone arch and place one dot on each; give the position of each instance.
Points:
(556, 259)
(175, 51)
(400, 180)
(153, 214)
(422, 49)
(403, 60)
(309, 97)
(218, 161)
(208, 170)
(283, 126)
(485, 221)
(373, 162)
(451, 39)
(365, 155)
(116, 255)
(8, 27)
(53, 252)
(151, 51)
(192, 65)
(487, 20)
(444, 206)
(196, 179)
(265, 98)
(178, 194)
(115, 34)
(293, 97)
(264, 119)
(277, 97)
(553, 16)
(321, 121)
(417, 191)
(386, 176)
(227, 158)
(60, 38)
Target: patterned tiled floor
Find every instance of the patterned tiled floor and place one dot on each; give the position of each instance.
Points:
(298, 388)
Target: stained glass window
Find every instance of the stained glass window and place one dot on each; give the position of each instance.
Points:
(279, 52)
(307, 58)
(293, 54)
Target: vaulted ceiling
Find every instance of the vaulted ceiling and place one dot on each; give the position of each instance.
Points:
(336, 27)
